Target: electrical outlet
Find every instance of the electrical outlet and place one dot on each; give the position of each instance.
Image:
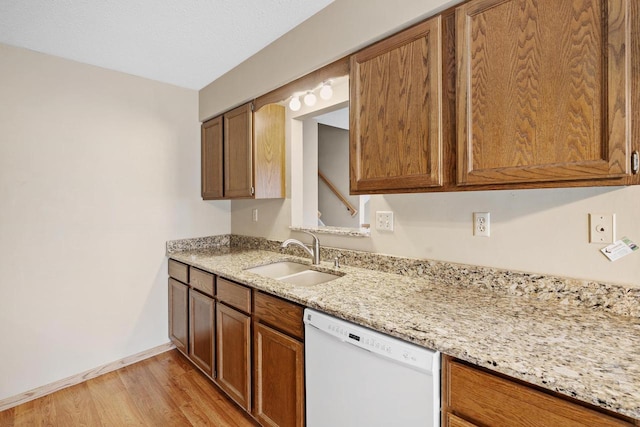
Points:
(254, 214)
(602, 228)
(481, 224)
(384, 220)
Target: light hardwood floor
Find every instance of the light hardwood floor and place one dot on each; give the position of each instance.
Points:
(165, 390)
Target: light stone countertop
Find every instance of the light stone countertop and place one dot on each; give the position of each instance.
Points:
(593, 356)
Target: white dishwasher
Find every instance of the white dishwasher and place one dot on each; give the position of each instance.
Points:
(359, 377)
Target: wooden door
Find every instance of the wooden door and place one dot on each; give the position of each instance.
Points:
(542, 90)
(211, 168)
(279, 378)
(395, 113)
(238, 152)
(178, 315)
(201, 330)
(234, 354)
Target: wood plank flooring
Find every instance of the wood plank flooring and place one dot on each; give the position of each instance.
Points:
(165, 390)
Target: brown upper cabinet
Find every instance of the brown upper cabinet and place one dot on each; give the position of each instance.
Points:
(243, 154)
(543, 91)
(490, 94)
(212, 159)
(238, 155)
(395, 113)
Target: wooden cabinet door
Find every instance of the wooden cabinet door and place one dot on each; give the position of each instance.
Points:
(238, 152)
(178, 314)
(233, 372)
(269, 161)
(211, 160)
(542, 90)
(395, 113)
(201, 330)
(279, 378)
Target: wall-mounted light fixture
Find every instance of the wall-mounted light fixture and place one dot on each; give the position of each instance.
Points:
(309, 97)
(295, 103)
(326, 92)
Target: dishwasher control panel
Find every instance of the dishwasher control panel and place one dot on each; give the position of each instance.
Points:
(375, 342)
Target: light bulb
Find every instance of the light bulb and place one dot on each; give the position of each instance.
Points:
(295, 104)
(310, 99)
(326, 92)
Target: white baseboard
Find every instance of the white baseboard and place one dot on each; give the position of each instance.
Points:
(10, 402)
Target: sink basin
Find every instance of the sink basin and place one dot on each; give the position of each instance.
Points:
(279, 269)
(309, 277)
(293, 272)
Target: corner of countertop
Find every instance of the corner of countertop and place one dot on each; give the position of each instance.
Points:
(197, 243)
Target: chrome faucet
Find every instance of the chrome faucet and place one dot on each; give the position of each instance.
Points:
(313, 249)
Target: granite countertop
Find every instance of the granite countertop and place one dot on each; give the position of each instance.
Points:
(590, 355)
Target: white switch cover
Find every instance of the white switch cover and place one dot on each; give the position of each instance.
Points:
(384, 220)
(602, 228)
(254, 214)
(481, 224)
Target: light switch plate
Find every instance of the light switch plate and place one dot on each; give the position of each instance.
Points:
(602, 228)
(384, 220)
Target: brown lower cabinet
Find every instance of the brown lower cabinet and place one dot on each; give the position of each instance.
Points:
(474, 397)
(233, 365)
(201, 327)
(192, 314)
(250, 343)
(278, 355)
(179, 314)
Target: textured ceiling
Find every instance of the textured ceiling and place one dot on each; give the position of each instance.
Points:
(187, 43)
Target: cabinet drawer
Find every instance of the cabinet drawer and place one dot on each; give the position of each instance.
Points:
(283, 315)
(202, 281)
(235, 295)
(485, 399)
(453, 421)
(179, 271)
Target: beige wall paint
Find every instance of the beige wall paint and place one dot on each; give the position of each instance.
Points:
(97, 170)
(339, 29)
(540, 231)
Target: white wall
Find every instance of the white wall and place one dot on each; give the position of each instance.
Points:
(97, 170)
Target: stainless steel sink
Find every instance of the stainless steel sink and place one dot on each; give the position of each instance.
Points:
(293, 272)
